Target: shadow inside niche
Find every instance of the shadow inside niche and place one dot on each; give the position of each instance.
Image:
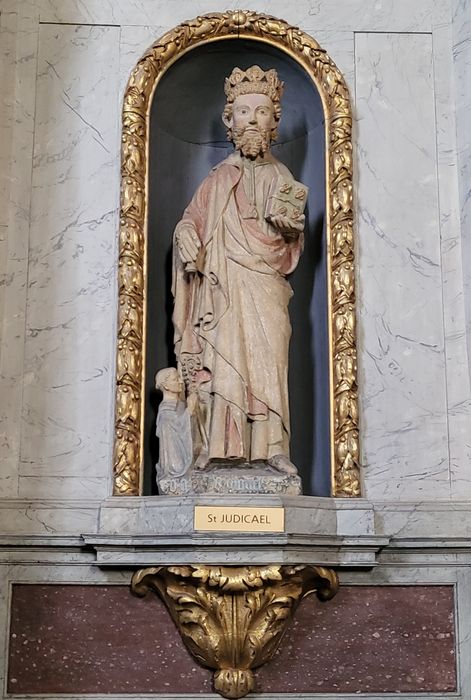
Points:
(187, 138)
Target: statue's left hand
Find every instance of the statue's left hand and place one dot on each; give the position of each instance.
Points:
(289, 228)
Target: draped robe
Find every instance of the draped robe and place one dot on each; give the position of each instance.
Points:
(231, 318)
(173, 428)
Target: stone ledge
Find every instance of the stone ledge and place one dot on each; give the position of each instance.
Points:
(172, 515)
(160, 529)
(337, 532)
(237, 549)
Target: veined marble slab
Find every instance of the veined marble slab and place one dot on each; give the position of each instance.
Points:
(453, 246)
(70, 329)
(20, 33)
(401, 335)
(47, 518)
(359, 15)
(461, 95)
(8, 35)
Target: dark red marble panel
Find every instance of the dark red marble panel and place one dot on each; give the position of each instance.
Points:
(102, 639)
(368, 639)
(96, 639)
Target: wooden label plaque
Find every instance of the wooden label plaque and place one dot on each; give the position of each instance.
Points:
(239, 519)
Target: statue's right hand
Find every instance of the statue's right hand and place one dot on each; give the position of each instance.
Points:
(188, 244)
(192, 403)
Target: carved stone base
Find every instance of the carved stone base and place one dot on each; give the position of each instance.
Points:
(230, 618)
(240, 479)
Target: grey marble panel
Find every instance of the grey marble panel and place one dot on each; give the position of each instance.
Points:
(20, 31)
(461, 40)
(8, 33)
(429, 519)
(453, 247)
(47, 517)
(401, 336)
(70, 328)
(359, 15)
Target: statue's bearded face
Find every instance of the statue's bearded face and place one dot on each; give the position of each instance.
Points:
(251, 124)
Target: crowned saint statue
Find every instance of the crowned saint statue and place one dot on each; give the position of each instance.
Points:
(238, 240)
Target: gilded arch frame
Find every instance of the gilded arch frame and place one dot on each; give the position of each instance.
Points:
(344, 438)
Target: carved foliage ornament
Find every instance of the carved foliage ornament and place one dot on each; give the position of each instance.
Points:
(339, 223)
(232, 619)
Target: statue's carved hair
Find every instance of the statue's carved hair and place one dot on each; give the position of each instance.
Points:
(163, 375)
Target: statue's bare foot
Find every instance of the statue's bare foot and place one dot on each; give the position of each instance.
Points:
(282, 464)
(201, 461)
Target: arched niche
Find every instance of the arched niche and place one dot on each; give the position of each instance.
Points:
(172, 136)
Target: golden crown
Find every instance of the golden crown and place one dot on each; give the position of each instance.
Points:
(254, 80)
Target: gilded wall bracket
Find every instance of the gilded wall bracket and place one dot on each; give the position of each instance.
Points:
(232, 619)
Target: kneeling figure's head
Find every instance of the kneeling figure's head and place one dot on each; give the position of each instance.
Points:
(168, 381)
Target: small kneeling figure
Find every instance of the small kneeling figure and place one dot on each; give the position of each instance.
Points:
(173, 426)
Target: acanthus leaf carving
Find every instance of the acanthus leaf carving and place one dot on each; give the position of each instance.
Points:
(232, 619)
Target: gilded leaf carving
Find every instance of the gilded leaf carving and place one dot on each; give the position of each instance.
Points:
(232, 619)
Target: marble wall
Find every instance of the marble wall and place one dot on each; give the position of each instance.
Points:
(65, 69)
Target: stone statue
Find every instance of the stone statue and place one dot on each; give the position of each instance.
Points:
(173, 426)
(238, 239)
